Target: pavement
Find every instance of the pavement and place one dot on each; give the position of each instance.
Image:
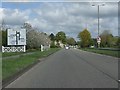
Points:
(71, 68)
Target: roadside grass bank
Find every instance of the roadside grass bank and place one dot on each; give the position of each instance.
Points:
(114, 53)
(13, 66)
(7, 54)
(0, 65)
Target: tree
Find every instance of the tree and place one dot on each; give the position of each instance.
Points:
(93, 42)
(44, 38)
(61, 36)
(118, 42)
(35, 38)
(4, 38)
(71, 41)
(78, 43)
(0, 40)
(114, 41)
(28, 27)
(52, 37)
(85, 38)
(106, 38)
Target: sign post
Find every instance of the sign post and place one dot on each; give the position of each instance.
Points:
(16, 37)
(42, 48)
(98, 41)
(16, 40)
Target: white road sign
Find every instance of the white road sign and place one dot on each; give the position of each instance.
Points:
(98, 39)
(16, 37)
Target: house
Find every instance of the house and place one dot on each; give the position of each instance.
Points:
(59, 43)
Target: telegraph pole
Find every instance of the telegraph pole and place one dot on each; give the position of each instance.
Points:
(98, 38)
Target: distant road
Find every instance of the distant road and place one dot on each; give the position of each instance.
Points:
(71, 69)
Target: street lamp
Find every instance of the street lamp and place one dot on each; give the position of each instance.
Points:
(98, 38)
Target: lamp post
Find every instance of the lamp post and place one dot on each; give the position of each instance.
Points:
(98, 38)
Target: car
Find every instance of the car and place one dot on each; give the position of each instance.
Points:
(66, 47)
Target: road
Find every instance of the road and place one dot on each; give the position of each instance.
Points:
(71, 69)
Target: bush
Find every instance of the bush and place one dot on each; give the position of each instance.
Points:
(53, 45)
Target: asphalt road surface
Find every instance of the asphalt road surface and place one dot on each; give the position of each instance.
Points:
(71, 69)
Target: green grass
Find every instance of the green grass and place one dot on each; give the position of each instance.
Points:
(105, 52)
(0, 65)
(11, 66)
(7, 54)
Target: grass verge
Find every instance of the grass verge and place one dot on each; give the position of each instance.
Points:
(104, 52)
(12, 66)
(0, 66)
(7, 54)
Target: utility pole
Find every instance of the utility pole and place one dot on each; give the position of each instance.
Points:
(3, 25)
(98, 38)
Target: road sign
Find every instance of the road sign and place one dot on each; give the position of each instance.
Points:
(98, 40)
(16, 37)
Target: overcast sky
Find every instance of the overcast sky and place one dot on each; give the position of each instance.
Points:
(70, 17)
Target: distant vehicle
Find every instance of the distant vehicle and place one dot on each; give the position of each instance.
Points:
(92, 46)
(66, 47)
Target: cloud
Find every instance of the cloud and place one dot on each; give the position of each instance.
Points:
(61, 1)
(14, 16)
(70, 17)
(17, 0)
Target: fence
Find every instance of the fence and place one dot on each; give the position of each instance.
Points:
(14, 49)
